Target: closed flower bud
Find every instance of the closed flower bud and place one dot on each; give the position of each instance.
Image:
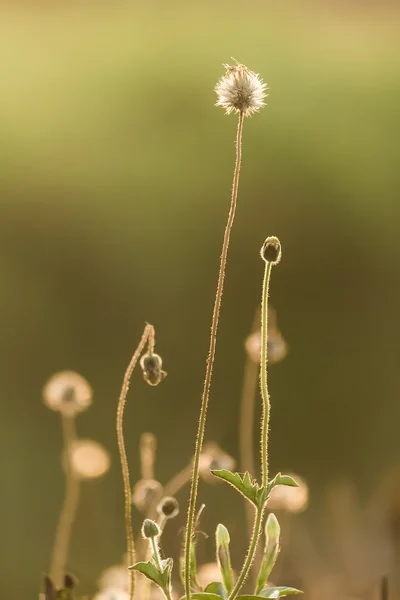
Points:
(272, 527)
(150, 529)
(151, 366)
(271, 250)
(168, 507)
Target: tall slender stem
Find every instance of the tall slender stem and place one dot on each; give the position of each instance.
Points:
(148, 335)
(250, 553)
(263, 376)
(210, 359)
(68, 510)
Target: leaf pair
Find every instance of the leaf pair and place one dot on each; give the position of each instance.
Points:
(256, 494)
(161, 577)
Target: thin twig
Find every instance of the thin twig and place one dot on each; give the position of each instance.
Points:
(69, 507)
(210, 358)
(148, 335)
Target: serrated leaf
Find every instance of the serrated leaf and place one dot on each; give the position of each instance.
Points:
(151, 572)
(278, 592)
(244, 484)
(280, 479)
(216, 587)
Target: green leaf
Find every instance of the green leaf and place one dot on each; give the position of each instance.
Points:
(280, 479)
(278, 592)
(151, 572)
(216, 588)
(244, 485)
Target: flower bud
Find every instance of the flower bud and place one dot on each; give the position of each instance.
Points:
(168, 507)
(151, 366)
(271, 250)
(272, 527)
(223, 556)
(68, 393)
(150, 529)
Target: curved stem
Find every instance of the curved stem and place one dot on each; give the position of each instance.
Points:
(148, 335)
(263, 376)
(68, 510)
(210, 359)
(250, 554)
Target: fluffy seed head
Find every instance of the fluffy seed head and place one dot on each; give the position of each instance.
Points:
(68, 393)
(240, 90)
(168, 507)
(213, 457)
(88, 459)
(271, 250)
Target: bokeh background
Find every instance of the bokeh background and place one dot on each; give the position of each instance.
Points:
(115, 181)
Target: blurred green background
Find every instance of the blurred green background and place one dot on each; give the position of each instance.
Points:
(115, 181)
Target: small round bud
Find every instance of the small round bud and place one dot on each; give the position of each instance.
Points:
(68, 393)
(151, 366)
(150, 529)
(272, 527)
(168, 507)
(88, 459)
(271, 250)
(145, 493)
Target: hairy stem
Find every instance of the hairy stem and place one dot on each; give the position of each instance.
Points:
(250, 553)
(69, 508)
(148, 335)
(210, 358)
(263, 376)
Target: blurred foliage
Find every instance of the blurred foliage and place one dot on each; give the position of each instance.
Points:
(115, 179)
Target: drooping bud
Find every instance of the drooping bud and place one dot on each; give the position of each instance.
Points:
(151, 364)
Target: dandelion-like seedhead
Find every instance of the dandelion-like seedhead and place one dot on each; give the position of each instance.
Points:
(145, 492)
(240, 91)
(67, 392)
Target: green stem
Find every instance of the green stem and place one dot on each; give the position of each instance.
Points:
(263, 376)
(250, 554)
(157, 560)
(210, 359)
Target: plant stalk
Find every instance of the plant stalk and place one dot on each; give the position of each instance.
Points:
(210, 359)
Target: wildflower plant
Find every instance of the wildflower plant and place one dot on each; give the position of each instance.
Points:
(242, 92)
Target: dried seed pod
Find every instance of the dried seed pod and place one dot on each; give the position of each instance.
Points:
(168, 507)
(68, 393)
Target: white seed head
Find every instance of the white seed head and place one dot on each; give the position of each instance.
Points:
(145, 492)
(240, 91)
(68, 393)
(291, 499)
(89, 459)
(116, 577)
